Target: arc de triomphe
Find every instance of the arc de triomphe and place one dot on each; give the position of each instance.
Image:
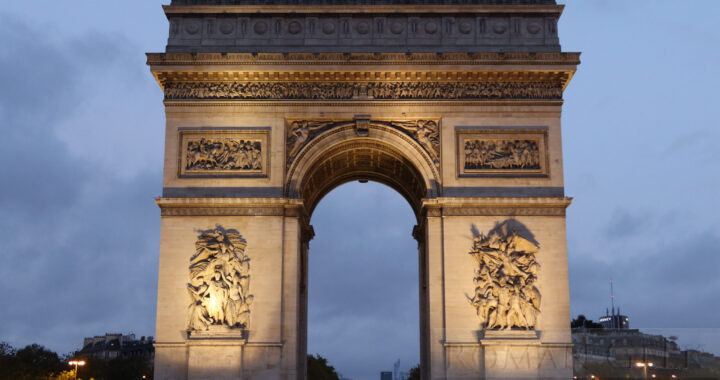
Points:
(270, 104)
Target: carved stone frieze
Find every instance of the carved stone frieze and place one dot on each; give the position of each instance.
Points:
(363, 90)
(424, 132)
(505, 152)
(219, 281)
(501, 154)
(223, 152)
(505, 294)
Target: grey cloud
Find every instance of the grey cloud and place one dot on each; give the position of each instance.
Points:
(668, 285)
(624, 224)
(80, 252)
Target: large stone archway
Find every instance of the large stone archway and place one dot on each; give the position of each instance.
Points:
(454, 104)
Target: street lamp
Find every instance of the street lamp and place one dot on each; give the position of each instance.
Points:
(644, 366)
(77, 363)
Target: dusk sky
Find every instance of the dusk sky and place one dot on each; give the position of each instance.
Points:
(82, 151)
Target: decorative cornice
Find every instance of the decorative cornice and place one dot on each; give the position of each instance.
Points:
(353, 7)
(241, 104)
(566, 60)
(446, 206)
(230, 206)
(246, 76)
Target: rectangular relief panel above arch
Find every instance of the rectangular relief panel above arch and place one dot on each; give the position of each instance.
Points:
(236, 152)
(502, 152)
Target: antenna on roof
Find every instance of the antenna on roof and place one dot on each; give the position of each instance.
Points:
(612, 297)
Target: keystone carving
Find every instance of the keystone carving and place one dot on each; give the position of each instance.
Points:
(219, 281)
(362, 90)
(223, 154)
(424, 132)
(502, 154)
(505, 293)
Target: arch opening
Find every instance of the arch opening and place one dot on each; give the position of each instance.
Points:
(382, 154)
(363, 281)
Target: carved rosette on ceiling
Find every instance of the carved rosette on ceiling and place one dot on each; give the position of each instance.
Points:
(424, 132)
(506, 295)
(219, 282)
(399, 90)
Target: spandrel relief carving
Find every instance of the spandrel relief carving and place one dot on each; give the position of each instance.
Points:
(502, 154)
(219, 285)
(230, 152)
(362, 90)
(300, 132)
(506, 295)
(424, 132)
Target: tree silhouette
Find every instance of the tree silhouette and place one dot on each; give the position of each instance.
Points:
(319, 369)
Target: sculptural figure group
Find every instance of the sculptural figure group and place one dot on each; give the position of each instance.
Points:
(505, 293)
(223, 154)
(502, 154)
(219, 281)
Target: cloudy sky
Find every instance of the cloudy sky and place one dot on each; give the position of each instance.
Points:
(82, 137)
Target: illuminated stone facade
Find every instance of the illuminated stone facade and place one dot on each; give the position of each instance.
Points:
(454, 104)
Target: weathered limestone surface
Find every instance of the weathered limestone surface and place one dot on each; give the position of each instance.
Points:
(363, 26)
(471, 137)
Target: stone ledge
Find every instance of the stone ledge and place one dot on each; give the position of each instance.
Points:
(473, 58)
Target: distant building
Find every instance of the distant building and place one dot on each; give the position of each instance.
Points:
(111, 346)
(386, 375)
(624, 347)
(614, 320)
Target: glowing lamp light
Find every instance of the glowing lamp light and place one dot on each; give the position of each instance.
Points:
(76, 363)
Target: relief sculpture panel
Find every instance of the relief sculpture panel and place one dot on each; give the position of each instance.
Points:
(223, 153)
(508, 153)
(219, 285)
(506, 272)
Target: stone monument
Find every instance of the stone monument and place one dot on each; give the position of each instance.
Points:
(270, 104)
